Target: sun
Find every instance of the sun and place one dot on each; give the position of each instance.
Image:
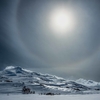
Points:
(62, 21)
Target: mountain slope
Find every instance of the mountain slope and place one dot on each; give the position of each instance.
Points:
(87, 82)
(12, 80)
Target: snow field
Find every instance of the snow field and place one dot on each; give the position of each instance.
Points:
(45, 97)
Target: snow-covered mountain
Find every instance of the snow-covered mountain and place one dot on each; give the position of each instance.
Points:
(87, 82)
(12, 80)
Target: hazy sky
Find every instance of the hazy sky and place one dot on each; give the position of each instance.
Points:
(27, 38)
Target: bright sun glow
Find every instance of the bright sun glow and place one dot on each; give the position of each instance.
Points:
(62, 21)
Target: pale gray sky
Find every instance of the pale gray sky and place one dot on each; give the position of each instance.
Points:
(26, 39)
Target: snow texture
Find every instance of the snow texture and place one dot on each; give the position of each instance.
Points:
(13, 79)
(56, 97)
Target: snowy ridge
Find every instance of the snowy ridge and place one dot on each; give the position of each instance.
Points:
(14, 78)
(87, 82)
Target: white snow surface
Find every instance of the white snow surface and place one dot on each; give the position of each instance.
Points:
(9, 67)
(87, 82)
(55, 97)
(13, 78)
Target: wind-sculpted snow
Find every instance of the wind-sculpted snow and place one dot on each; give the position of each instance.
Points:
(13, 79)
